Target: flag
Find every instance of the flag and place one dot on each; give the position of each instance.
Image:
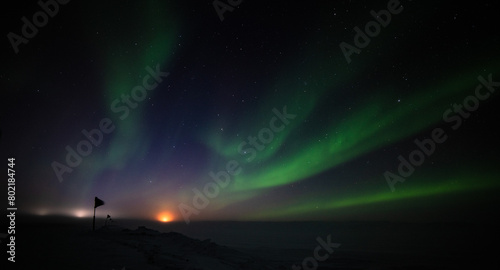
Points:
(98, 202)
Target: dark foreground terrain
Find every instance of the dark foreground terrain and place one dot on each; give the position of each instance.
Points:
(68, 243)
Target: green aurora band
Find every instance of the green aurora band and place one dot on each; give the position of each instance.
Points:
(368, 125)
(463, 181)
(129, 53)
(373, 124)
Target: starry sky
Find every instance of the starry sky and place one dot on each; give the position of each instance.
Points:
(265, 96)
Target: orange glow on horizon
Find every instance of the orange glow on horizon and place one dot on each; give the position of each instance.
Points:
(165, 217)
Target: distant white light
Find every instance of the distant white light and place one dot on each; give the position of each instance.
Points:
(41, 212)
(81, 213)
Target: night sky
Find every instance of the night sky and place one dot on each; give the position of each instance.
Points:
(266, 97)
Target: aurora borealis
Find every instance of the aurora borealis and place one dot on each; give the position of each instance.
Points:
(226, 80)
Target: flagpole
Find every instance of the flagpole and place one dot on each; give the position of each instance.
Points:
(97, 202)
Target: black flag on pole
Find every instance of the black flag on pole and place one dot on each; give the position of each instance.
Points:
(98, 202)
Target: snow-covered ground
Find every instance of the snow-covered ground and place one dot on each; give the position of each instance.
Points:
(44, 243)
